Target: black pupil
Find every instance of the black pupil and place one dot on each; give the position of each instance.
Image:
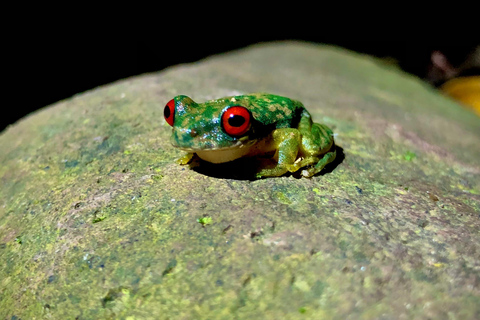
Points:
(236, 120)
(166, 112)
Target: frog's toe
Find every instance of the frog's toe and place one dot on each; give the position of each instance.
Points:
(272, 172)
(308, 173)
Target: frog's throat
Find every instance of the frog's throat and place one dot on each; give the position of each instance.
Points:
(226, 154)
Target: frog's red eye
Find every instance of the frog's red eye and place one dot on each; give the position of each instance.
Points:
(169, 112)
(236, 121)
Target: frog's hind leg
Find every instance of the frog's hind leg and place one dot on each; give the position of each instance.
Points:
(327, 158)
(315, 164)
(318, 148)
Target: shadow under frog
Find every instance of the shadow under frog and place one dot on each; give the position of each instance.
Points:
(246, 168)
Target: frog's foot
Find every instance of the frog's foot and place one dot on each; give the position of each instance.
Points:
(272, 172)
(302, 162)
(327, 158)
(186, 159)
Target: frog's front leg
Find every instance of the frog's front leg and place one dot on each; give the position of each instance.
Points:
(287, 142)
(186, 159)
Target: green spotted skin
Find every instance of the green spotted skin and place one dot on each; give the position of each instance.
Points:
(278, 124)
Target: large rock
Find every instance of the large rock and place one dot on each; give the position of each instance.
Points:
(97, 221)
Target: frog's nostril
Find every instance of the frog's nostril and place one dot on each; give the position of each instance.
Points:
(193, 133)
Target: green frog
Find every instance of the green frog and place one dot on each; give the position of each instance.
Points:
(251, 125)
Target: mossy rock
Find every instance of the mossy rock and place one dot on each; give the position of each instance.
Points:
(97, 221)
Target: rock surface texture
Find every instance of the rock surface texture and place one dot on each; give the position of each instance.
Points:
(97, 221)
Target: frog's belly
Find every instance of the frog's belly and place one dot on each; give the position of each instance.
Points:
(229, 154)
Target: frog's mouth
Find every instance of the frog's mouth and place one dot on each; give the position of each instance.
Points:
(223, 154)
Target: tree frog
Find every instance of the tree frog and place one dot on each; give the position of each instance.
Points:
(251, 125)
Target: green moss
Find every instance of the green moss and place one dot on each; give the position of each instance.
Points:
(409, 155)
(205, 220)
(283, 198)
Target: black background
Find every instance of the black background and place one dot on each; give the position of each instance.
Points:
(45, 70)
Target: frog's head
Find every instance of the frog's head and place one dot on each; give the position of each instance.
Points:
(215, 125)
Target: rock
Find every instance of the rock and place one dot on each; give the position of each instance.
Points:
(97, 221)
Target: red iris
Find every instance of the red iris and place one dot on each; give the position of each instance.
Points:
(236, 121)
(169, 112)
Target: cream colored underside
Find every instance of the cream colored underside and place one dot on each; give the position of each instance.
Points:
(230, 154)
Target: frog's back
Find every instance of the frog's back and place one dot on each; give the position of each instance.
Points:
(270, 109)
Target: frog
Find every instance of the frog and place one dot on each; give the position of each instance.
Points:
(251, 125)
